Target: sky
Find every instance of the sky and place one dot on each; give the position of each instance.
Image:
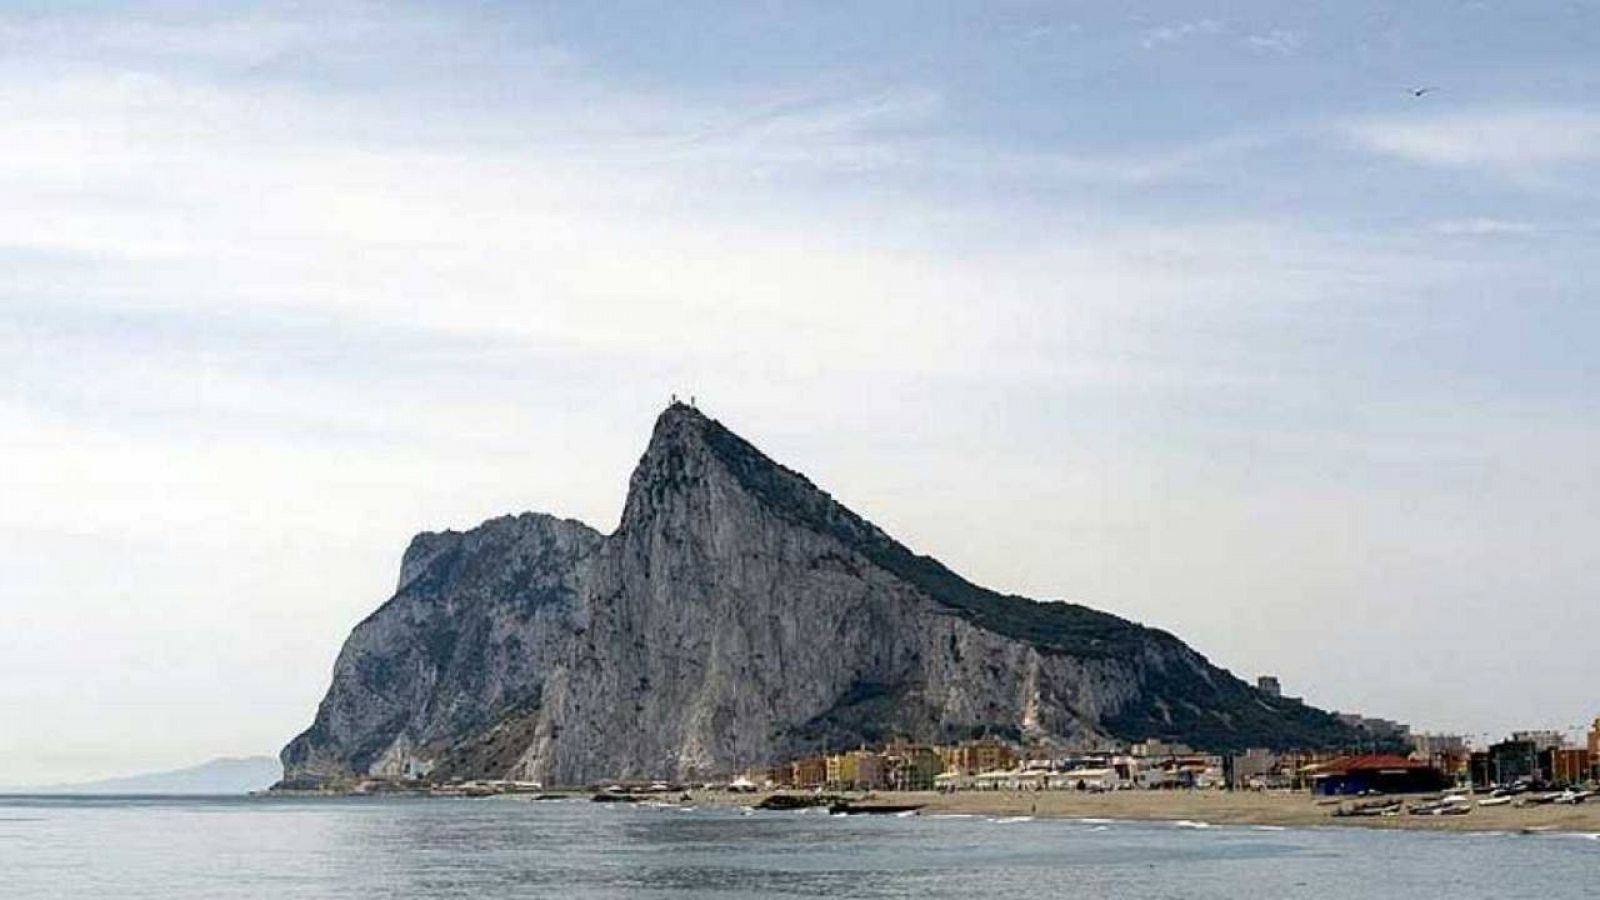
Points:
(1196, 313)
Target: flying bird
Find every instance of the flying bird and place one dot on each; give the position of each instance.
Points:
(1418, 92)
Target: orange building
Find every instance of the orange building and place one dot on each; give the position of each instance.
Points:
(1569, 765)
(977, 756)
(810, 772)
(858, 769)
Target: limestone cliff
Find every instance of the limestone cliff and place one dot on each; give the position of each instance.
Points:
(738, 615)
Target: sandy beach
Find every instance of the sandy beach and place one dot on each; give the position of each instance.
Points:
(1214, 807)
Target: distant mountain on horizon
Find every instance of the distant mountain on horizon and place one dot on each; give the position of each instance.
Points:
(222, 776)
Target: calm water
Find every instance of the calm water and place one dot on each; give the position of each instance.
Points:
(170, 848)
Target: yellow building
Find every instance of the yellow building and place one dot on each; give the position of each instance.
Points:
(856, 769)
(840, 769)
(911, 767)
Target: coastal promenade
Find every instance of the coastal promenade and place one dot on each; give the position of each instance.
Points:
(1279, 808)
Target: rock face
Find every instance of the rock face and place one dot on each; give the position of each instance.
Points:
(737, 616)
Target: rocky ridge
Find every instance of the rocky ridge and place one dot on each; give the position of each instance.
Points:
(737, 616)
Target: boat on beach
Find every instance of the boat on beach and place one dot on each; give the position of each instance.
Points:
(1539, 799)
(1452, 805)
(1370, 808)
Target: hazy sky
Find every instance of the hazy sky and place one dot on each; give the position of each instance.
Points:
(1191, 312)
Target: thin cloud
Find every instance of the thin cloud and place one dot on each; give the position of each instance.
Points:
(1506, 140)
(1282, 41)
(1177, 32)
(1482, 227)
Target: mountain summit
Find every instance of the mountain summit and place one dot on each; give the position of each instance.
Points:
(739, 615)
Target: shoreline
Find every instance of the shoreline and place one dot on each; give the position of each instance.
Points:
(1198, 808)
(1270, 809)
(1280, 809)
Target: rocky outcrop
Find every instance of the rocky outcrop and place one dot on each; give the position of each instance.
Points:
(737, 616)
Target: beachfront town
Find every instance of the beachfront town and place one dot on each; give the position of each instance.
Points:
(1532, 766)
(1394, 761)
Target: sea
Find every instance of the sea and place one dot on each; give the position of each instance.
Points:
(179, 848)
